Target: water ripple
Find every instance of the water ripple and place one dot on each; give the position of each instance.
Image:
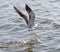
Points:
(14, 34)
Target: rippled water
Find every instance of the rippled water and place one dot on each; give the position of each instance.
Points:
(13, 28)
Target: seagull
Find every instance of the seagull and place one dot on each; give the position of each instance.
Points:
(28, 19)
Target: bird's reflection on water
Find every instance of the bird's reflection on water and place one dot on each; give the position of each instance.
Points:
(30, 44)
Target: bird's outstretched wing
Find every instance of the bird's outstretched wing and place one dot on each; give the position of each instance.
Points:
(31, 16)
(21, 14)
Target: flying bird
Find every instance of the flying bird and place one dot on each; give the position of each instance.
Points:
(28, 19)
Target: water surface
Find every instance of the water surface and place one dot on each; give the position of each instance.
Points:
(13, 28)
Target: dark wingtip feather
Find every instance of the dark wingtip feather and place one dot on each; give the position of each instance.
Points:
(14, 7)
(27, 8)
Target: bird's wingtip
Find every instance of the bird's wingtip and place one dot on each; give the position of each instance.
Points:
(14, 7)
(26, 5)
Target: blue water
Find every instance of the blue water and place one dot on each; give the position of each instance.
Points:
(13, 27)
